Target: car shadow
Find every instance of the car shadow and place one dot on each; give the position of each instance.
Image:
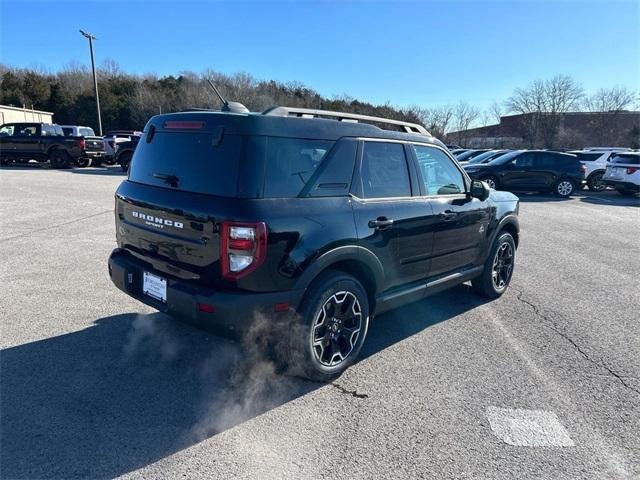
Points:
(133, 389)
(109, 171)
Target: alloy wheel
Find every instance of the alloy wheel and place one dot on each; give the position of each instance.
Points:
(336, 329)
(491, 183)
(564, 188)
(502, 266)
(596, 184)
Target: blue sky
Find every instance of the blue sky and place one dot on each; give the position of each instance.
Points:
(422, 53)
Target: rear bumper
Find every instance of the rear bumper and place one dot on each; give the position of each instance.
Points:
(620, 185)
(96, 154)
(233, 312)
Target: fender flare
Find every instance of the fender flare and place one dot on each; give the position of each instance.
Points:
(338, 254)
(508, 219)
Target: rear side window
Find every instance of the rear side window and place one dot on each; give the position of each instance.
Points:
(291, 163)
(384, 171)
(333, 177)
(191, 162)
(628, 159)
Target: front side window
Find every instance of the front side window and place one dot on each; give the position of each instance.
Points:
(439, 174)
(524, 160)
(291, 163)
(384, 171)
(27, 131)
(7, 130)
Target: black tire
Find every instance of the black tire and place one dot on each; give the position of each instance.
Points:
(332, 329)
(594, 182)
(59, 159)
(564, 187)
(83, 162)
(491, 181)
(125, 161)
(497, 273)
(4, 161)
(628, 193)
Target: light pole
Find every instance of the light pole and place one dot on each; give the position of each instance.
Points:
(95, 78)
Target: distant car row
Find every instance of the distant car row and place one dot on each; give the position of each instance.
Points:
(65, 146)
(561, 173)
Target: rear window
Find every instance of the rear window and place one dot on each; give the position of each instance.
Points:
(626, 158)
(191, 162)
(86, 132)
(587, 157)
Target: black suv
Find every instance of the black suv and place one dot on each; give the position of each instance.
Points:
(230, 219)
(531, 170)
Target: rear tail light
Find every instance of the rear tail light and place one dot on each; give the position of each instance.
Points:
(82, 143)
(631, 170)
(184, 125)
(583, 168)
(243, 248)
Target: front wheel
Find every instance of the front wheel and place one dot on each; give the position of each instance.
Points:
(564, 188)
(628, 193)
(335, 319)
(83, 162)
(498, 269)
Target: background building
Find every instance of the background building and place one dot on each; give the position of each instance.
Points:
(547, 130)
(16, 114)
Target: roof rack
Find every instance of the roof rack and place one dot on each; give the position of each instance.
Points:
(341, 116)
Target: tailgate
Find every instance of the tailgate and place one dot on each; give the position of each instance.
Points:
(181, 239)
(94, 144)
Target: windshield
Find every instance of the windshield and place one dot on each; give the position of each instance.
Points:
(86, 132)
(502, 159)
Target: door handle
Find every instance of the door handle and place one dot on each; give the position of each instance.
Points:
(447, 215)
(381, 223)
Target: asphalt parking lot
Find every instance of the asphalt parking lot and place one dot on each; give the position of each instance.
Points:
(542, 383)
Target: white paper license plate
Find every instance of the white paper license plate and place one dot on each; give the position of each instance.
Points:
(155, 287)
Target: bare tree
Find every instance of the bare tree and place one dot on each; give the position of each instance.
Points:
(463, 116)
(436, 119)
(496, 111)
(545, 101)
(610, 99)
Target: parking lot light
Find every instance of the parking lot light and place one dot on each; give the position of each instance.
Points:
(95, 78)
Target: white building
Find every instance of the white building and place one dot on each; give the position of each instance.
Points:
(17, 114)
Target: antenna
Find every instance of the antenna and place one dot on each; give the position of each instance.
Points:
(224, 102)
(233, 107)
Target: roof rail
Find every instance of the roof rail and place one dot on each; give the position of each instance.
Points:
(341, 116)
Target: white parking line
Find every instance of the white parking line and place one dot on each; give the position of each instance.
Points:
(528, 428)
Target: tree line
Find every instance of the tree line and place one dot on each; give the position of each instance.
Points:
(127, 101)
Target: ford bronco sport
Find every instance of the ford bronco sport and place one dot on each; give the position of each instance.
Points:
(324, 216)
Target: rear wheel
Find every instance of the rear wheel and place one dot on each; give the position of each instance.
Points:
(491, 181)
(564, 188)
(59, 159)
(125, 161)
(594, 182)
(335, 319)
(498, 269)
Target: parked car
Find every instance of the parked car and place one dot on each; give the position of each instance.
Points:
(309, 226)
(485, 157)
(458, 151)
(112, 140)
(42, 142)
(453, 147)
(95, 144)
(623, 173)
(469, 154)
(531, 170)
(124, 154)
(595, 162)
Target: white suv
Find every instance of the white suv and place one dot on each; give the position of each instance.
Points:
(595, 160)
(623, 173)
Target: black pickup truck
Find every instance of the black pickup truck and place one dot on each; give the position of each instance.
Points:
(45, 141)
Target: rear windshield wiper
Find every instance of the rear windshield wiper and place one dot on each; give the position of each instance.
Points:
(168, 178)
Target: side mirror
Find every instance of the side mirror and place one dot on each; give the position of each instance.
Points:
(480, 190)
